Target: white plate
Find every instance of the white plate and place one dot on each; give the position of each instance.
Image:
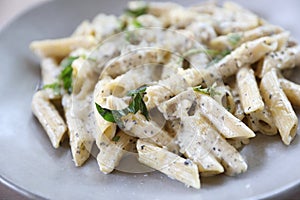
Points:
(30, 164)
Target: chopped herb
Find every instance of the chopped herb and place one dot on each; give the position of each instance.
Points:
(211, 91)
(131, 37)
(234, 38)
(54, 86)
(64, 78)
(137, 12)
(116, 138)
(219, 57)
(66, 74)
(136, 23)
(141, 90)
(105, 113)
(137, 104)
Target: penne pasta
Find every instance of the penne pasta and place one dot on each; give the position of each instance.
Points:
(291, 90)
(49, 117)
(59, 48)
(174, 166)
(282, 112)
(111, 151)
(248, 91)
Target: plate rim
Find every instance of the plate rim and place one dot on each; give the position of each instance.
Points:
(25, 193)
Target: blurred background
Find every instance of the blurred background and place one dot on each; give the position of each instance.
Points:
(10, 8)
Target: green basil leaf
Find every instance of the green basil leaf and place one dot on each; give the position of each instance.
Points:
(66, 74)
(211, 91)
(141, 89)
(137, 12)
(105, 113)
(144, 111)
(137, 104)
(68, 61)
(219, 57)
(202, 90)
(136, 23)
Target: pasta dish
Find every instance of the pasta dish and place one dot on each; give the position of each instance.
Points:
(183, 88)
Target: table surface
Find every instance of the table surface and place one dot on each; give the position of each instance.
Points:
(9, 9)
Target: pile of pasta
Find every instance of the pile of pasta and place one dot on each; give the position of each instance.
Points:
(183, 87)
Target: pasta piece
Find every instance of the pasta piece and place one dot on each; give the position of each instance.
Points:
(131, 80)
(209, 138)
(262, 121)
(239, 112)
(104, 26)
(202, 32)
(248, 53)
(174, 166)
(224, 97)
(149, 21)
(159, 8)
(234, 18)
(84, 29)
(50, 71)
(282, 59)
(100, 96)
(59, 48)
(198, 139)
(84, 78)
(238, 143)
(134, 59)
(248, 90)
(190, 141)
(291, 90)
(177, 83)
(111, 151)
(81, 140)
(137, 126)
(49, 117)
(179, 106)
(228, 125)
(233, 40)
(164, 90)
(281, 109)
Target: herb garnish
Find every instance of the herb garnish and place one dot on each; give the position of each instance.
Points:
(137, 104)
(136, 23)
(216, 55)
(116, 138)
(137, 12)
(219, 57)
(65, 77)
(131, 37)
(54, 86)
(66, 74)
(234, 38)
(211, 91)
